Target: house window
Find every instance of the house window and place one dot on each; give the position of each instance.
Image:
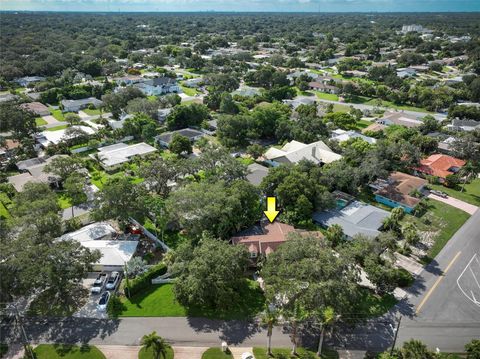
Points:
(253, 254)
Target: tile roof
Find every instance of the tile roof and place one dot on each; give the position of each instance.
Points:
(439, 165)
(399, 187)
(270, 237)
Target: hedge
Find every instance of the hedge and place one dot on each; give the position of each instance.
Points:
(145, 280)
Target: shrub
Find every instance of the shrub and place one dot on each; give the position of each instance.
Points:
(115, 306)
(404, 278)
(145, 280)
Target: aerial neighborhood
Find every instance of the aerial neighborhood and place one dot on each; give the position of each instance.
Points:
(307, 172)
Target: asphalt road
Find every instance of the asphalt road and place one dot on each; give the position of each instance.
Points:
(443, 309)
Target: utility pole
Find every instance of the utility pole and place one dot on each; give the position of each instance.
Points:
(395, 334)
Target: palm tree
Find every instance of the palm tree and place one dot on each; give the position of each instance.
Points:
(157, 343)
(270, 319)
(327, 317)
(297, 316)
(468, 171)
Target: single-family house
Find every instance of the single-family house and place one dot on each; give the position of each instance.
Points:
(320, 86)
(340, 136)
(77, 105)
(247, 91)
(195, 82)
(406, 72)
(463, 125)
(113, 156)
(27, 80)
(6, 97)
(128, 80)
(7, 149)
(163, 113)
(256, 173)
(33, 171)
(158, 86)
(103, 237)
(47, 138)
(398, 189)
(354, 217)
(211, 128)
(264, 238)
(440, 166)
(165, 138)
(399, 118)
(294, 151)
(300, 100)
(37, 108)
(374, 127)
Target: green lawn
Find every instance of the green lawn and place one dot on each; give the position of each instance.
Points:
(341, 108)
(40, 121)
(442, 218)
(216, 353)
(56, 128)
(372, 305)
(302, 93)
(397, 107)
(360, 125)
(188, 90)
(261, 353)
(65, 351)
(92, 112)
(159, 301)
(326, 96)
(148, 354)
(471, 193)
(5, 202)
(64, 201)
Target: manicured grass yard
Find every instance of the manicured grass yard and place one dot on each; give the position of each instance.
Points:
(216, 353)
(261, 353)
(326, 96)
(148, 354)
(188, 91)
(362, 124)
(397, 107)
(471, 193)
(159, 301)
(65, 351)
(440, 217)
(92, 112)
(40, 121)
(56, 128)
(5, 202)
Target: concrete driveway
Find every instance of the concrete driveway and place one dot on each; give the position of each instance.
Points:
(120, 351)
(189, 352)
(464, 206)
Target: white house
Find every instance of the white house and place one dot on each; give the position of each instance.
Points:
(47, 138)
(342, 136)
(77, 105)
(102, 237)
(158, 86)
(294, 151)
(113, 156)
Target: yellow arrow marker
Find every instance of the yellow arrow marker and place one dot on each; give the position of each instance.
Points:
(271, 211)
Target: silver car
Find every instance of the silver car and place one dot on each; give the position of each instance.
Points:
(103, 302)
(112, 281)
(98, 284)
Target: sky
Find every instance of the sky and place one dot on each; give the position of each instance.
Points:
(244, 5)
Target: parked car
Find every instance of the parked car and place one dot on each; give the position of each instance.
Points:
(113, 280)
(99, 282)
(102, 303)
(247, 355)
(439, 193)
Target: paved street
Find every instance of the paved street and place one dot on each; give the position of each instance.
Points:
(443, 303)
